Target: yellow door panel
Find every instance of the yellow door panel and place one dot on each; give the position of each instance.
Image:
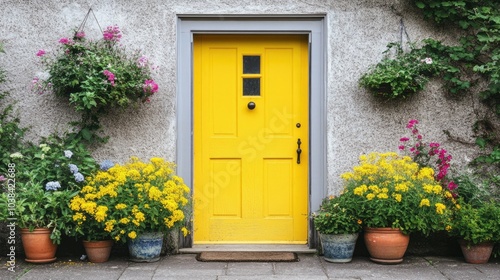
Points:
(249, 186)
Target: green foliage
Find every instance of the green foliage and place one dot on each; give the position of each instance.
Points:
(477, 224)
(336, 216)
(46, 177)
(472, 190)
(400, 74)
(55, 159)
(96, 76)
(36, 207)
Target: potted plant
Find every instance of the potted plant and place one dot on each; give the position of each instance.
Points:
(394, 196)
(401, 74)
(476, 223)
(478, 229)
(47, 176)
(137, 202)
(338, 228)
(96, 75)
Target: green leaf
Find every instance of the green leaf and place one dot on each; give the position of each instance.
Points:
(86, 134)
(481, 142)
(420, 4)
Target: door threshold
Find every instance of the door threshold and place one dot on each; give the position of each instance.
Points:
(304, 249)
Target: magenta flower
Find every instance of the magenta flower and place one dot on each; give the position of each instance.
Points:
(434, 145)
(111, 77)
(112, 33)
(80, 35)
(401, 147)
(142, 61)
(150, 86)
(411, 123)
(404, 139)
(40, 53)
(452, 185)
(65, 41)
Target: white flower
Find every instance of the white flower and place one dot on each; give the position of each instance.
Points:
(52, 186)
(16, 155)
(68, 153)
(79, 177)
(44, 147)
(73, 168)
(427, 60)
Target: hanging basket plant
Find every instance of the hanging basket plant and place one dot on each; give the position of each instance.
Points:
(96, 75)
(401, 74)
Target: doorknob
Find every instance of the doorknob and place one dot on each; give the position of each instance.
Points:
(251, 105)
(299, 150)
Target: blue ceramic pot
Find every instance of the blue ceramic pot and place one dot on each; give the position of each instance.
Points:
(146, 247)
(338, 247)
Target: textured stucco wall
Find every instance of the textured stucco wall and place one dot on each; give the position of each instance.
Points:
(358, 32)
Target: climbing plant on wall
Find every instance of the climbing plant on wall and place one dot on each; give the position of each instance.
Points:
(471, 64)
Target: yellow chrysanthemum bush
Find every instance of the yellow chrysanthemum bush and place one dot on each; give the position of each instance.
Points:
(127, 200)
(390, 190)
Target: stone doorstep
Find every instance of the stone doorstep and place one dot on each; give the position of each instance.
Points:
(301, 249)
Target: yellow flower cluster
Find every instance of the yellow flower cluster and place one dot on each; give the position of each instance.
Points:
(398, 190)
(129, 199)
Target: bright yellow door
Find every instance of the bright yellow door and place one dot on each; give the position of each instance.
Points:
(250, 110)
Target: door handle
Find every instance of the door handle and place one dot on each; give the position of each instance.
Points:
(299, 150)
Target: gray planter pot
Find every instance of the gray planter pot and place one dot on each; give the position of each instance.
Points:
(338, 248)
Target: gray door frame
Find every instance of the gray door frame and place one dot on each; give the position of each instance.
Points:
(315, 27)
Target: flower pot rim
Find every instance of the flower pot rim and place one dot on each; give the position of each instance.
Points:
(382, 228)
(469, 242)
(95, 241)
(42, 229)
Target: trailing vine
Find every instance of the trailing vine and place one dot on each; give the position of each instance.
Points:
(471, 65)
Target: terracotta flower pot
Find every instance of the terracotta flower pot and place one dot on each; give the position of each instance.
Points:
(476, 253)
(386, 245)
(38, 246)
(98, 251)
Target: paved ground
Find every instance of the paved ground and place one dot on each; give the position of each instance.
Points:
(310, 267)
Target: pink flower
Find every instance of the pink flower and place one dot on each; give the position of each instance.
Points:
(110, 75)
(112, 33)
(80, 35)
(434, 145)
(401, 147)
(411, 123)
(404, 139)
(142, 61)
(65, 41)
(150, 86)
(40, 53)
(452, 186)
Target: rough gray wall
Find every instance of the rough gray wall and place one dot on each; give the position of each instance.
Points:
(358, 32)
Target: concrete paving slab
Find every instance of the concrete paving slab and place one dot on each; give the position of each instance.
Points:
(249, 268)
(310, 266)
(457, 268)
(187, 265)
